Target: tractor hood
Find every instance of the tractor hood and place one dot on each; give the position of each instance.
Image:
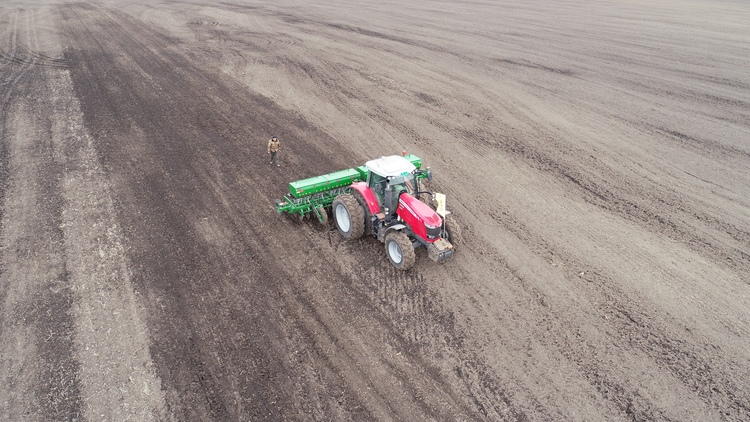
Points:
(419, 210)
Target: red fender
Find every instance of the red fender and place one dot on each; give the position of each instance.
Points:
(372, 201)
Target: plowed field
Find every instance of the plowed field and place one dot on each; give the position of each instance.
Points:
(596, 154)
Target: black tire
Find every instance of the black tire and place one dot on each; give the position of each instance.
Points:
(348, 216)
(453, 231)
(400, 251)
(365, 210)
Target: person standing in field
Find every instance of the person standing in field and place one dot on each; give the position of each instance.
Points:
(273, 150)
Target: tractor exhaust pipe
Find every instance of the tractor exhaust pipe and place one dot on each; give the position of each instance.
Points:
(388, 201)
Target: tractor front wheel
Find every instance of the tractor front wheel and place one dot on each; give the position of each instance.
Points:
(348, 216)
(400, 251)
(453, 232)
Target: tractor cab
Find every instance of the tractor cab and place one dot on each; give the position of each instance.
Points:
(388, 177)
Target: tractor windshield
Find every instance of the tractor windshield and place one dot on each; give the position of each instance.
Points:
(404, 183)
(398, 184)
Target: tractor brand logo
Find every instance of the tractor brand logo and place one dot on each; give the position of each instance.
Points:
(408, 208)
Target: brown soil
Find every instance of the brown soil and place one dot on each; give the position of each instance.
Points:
(597, 156)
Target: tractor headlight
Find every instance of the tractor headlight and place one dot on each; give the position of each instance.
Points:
(433, 232)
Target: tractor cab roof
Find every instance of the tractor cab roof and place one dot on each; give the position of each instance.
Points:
(390, 166)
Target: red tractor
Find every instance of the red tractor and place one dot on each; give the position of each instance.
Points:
(386, 206)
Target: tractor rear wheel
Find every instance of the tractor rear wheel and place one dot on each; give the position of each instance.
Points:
(453, 232)
(348, 216)
(400, 251)
(365, 210)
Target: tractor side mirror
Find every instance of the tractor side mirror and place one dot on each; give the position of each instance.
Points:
(429, 174)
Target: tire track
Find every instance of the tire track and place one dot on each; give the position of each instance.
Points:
(37, 294)
(426, 330)
(641, 332)
(12, 80)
